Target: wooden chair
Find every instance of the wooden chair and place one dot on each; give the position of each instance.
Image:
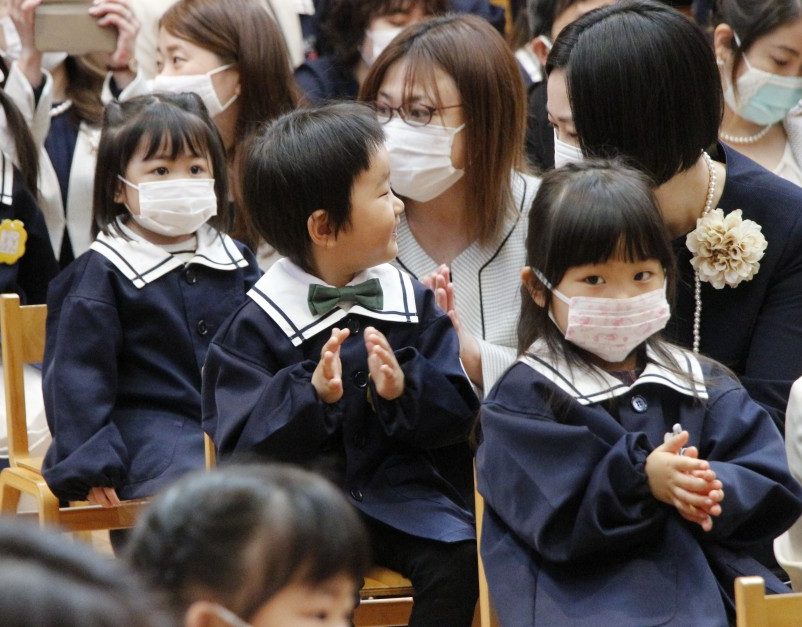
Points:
(754, 608)
(22, 332)
(486, 616)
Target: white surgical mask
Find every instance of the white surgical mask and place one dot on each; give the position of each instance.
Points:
(763, 98)
(227, 616)
(51, 60)
(565, 153)
(611, 328)
(200, 84)
(13, 42)
(420, 159)
(176, 206)
(376, 41)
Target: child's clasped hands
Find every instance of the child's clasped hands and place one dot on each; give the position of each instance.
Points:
(678, 477)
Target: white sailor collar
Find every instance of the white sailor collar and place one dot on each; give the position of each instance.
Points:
(282, 293)
(142, 262)
(590, 387)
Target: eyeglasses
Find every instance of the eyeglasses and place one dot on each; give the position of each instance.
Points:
(414, 115)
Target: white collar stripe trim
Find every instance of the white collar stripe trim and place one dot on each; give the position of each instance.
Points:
(282, 295)
(597, 385)
(142, 262)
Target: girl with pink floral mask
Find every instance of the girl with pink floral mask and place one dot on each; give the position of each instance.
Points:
(607, 452)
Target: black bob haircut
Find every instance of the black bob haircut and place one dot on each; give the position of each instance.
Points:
(643, 85)
(241, 533)
(588, 213)
(304, 161)
(159, 123)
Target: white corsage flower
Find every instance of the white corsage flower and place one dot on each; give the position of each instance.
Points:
(726, 249)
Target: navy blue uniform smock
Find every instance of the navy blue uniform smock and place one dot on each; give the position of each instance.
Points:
(258, 397)
(572, 534)
(128, 329)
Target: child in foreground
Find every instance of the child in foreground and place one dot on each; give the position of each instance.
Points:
(600, 510)
(268, 546)
(339, 360)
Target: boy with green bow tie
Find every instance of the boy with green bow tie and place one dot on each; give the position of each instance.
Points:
(288, 377)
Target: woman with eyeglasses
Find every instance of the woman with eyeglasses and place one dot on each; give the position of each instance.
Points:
(452, 103)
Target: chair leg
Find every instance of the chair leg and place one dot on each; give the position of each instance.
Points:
(9, 498)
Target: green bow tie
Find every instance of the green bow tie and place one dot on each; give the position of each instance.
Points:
(322, 298)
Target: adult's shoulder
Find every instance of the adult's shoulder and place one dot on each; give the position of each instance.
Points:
(524, 188)
(769, 200)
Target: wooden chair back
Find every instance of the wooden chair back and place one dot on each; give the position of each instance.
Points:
(754, 608)
(22, 333)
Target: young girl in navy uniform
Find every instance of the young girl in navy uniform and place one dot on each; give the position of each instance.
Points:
(129, 322)
(626, 480)
(341, 361)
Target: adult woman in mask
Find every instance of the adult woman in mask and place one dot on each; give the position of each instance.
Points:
(639, 80)
(62, 97)
(453, 106)
(758, 45)
(231, 54)
(352, 35)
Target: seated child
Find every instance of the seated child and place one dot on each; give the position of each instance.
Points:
(272, 545)
(607, 452)
(339, 359)
(129, 322)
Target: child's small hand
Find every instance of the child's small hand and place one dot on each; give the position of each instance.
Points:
(105, 497)
(383, 366)
(327, 377)
(683, 481)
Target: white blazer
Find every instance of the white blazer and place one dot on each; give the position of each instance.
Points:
(788, 547)
(82, 173)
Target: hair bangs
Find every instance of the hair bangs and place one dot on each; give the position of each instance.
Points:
(172, 133)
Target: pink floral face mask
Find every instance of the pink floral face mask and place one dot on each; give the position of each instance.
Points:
(611, 328)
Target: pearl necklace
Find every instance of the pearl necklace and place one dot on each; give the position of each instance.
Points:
(745, 139)
(697, 283)
(60, 108)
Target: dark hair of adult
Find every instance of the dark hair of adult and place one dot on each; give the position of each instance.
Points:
(159, 123)
(751, 19)
(344, 22)
(475, 56)
(27, 153)
(240, 533)
(643, 84)
(586, 213)
(48, 581)
(241, 32)
(542, 13)
(304, 161)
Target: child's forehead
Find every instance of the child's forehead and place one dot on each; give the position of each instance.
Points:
(167, 145)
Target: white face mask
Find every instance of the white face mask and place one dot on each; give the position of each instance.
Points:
(376, 41)
(763, 98)
(420, 159)
(611, 328)
(200, 84)
(51, 60)
(229, 617)
(13, 42)
(565, 153)
(176, 206)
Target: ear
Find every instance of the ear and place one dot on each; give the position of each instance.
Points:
(201, 614)
(722, 42)
(533, 286)
(119, 192)
(540, 49)
(320, 230)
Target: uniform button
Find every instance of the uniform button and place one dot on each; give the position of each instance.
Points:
(639, 404)
(357, 494)
(191, 276)
(360, 378)
(202, 328)
(354, 326)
